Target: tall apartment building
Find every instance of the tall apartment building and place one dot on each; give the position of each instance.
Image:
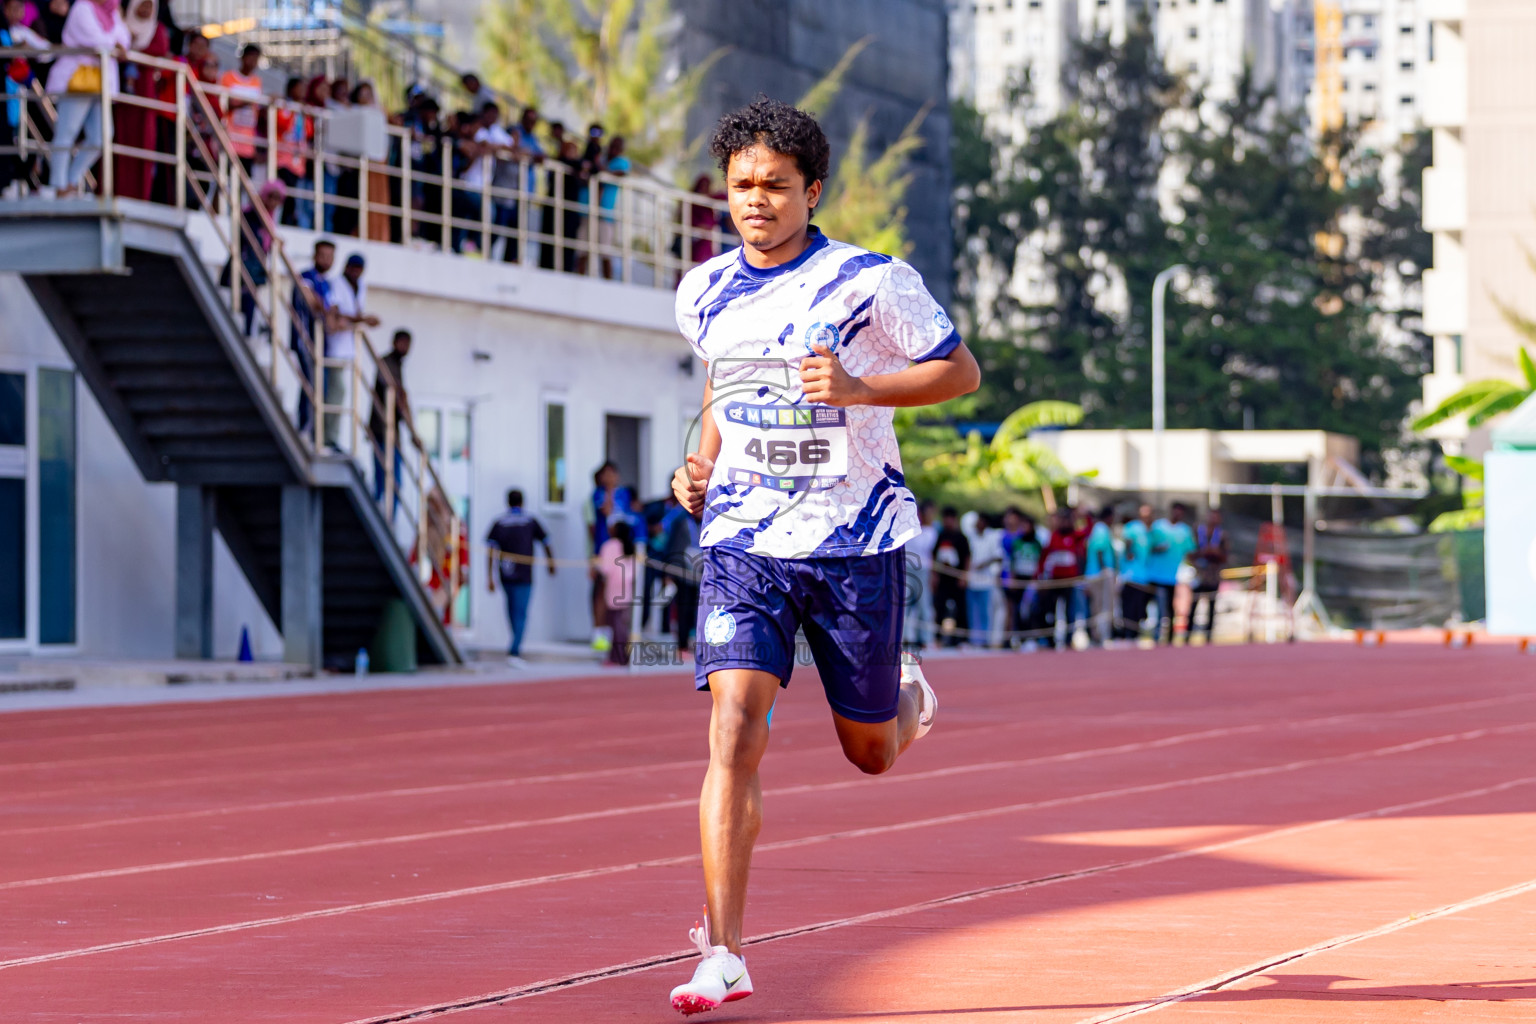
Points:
(1381, 47)
(1479, 99)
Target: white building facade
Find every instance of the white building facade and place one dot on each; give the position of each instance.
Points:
(1480, 193)
(518, 377)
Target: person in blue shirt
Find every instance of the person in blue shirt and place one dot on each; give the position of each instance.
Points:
(1171, 543)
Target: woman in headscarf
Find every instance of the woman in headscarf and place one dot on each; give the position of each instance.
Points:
(139, 127)
(14, 76)
(91, 25)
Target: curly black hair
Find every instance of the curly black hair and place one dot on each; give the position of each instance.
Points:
(779, 126)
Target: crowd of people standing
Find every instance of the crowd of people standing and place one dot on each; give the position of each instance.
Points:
(1010, 581)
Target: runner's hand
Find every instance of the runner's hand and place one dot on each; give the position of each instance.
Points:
(690, 484)
(825, 381)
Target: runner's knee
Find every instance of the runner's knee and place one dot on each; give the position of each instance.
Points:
(738, 738)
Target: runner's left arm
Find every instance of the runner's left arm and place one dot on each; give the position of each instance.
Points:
(909, 321)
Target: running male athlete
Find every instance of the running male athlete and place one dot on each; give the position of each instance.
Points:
(810, 343)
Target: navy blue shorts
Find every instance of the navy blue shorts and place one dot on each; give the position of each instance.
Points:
(751, 606)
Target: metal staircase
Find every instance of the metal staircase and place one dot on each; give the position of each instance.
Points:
(199, 404)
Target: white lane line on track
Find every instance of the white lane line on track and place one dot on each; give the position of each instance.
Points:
(1171, 740)
(647, 963)
(820, 787)
(446, 731)
(1221, 981)
(617, 869)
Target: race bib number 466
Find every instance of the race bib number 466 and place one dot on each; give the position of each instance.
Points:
(789, 448)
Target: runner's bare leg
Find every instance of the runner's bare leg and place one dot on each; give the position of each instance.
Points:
(731, 805)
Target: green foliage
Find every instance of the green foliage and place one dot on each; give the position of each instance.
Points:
(603, 58)
(1280, 318)
(864, 202)
(1481, 400)
(1010, 469)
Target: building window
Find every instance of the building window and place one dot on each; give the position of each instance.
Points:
(56, 461)
(1406, 101)
(1194, 32)
(13, 506)
(554, 453)
(1368, 52)
(1406, 65)
(1369, 86)
(1406, 30)
(1366, 21)
(1008, 37)
(1456, 353)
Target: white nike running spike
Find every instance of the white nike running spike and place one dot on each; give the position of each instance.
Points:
(912, 672)
(721, 978)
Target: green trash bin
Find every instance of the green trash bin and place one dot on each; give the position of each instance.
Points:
(394, 642)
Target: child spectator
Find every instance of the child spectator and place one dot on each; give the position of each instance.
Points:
(615, 561)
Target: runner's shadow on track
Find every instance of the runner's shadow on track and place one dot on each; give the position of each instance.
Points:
(1280, 986)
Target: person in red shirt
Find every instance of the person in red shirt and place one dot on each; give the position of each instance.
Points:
(1063, 560)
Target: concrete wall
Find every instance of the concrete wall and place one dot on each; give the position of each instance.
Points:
(783, 47)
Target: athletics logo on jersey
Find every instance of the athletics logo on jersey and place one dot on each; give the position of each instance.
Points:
(719, 627)
(822, 334)
(942, 321)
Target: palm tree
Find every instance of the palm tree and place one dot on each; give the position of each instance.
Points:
(603, 58)
(983, 472)
(1481, 400)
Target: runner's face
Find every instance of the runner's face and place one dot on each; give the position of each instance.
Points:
(770, 201)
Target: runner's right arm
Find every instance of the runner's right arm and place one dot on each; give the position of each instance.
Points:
(690, 484)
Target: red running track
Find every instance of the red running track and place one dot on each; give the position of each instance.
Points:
(1308, 833)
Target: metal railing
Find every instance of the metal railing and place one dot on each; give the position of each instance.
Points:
(268, 295)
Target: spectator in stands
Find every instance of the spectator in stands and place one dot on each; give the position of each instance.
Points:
(341, 94)
(509, 556)
(611, 502)
(349, 302)
(549, 223)
(476, 94)
(487, 152)
(1171, 542)
(136, 126)
(295, 133)
(702, 220)
(951, 562)
(386, 433)
(428, 138)
(51, 20)
(591, 165)
(315, 311)
(575, 183)
(918, 624)
(616, 165)
(615, 562)
(1135, 590)
(244, 106)
(1210, 557)
(197, 52)
(91, 25)
(16, 74)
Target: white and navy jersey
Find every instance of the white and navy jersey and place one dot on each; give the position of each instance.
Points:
(796, 479)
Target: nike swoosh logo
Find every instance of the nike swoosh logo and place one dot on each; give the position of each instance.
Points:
(735, 981)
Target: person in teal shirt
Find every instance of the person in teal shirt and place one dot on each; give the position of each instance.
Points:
(1099, 559)
(1134, 591)
(1172, 541)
